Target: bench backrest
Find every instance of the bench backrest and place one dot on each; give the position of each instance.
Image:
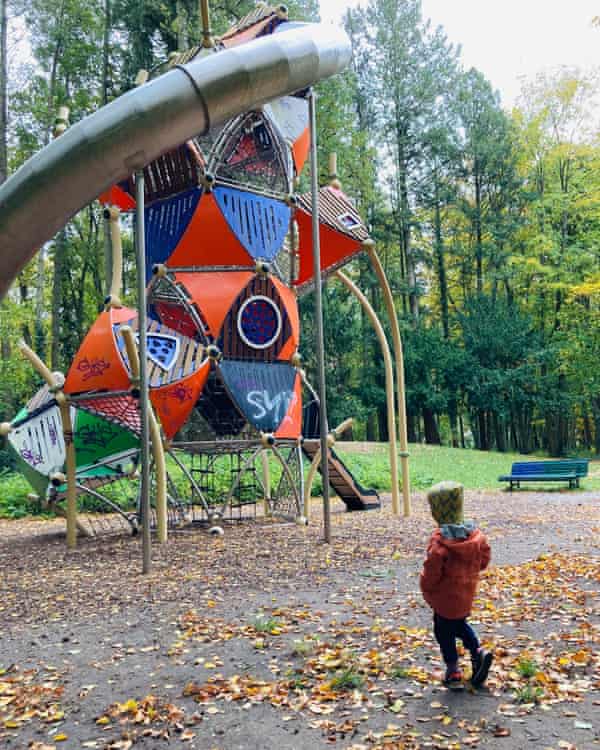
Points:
(576, 466)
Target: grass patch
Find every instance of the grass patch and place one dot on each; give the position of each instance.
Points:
(527, 668)
(429, 464)
(529, 694)
(305, 647)
(399, 673)
(269, 625)
(347, 679)
(477, 470)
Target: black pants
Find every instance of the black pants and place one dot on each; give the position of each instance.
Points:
(447, 631)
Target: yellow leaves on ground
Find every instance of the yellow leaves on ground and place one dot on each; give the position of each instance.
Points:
(22, 698)
(149, 717)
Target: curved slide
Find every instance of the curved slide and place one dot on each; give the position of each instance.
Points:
(127, 134)
(344, 483)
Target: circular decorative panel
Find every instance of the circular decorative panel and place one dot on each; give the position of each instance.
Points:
(259, 322)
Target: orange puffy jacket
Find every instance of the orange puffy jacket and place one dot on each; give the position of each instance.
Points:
(451, 572)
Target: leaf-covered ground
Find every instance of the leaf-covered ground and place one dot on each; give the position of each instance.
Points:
(267, 638)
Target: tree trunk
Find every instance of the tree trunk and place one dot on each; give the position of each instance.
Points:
(182, 41)
(587, 428)
(478, 235)
(441, 263)
(405, 216)
(596, 417)
(499, 433)
(453, 419)
(106, 83)
(432, 435)
(482, 429)
(411, 428)
(3, 91)
(372, 434)
(382, 424)
(60, 269)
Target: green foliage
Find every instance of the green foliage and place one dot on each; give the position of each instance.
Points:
(14, 500)
(529, 694)
(305, 647)
(347, 679)
(487, 225)
(527, 667)
(264, 624)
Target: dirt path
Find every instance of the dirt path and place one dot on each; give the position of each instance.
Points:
(266, 638)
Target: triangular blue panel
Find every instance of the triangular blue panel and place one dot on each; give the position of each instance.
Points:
(259, 223)
(262, 391)
(165, 223)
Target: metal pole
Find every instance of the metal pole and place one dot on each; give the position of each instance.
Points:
(324, 429)
(140, 253)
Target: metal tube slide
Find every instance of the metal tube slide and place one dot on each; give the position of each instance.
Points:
(131, 131)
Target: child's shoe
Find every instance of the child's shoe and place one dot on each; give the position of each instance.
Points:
(482, 661)
(453, 679)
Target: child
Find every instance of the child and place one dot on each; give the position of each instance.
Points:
(457, 551)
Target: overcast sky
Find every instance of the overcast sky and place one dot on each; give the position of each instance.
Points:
(506, 39)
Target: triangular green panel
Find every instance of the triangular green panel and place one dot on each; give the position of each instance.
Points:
(21, 415)
(38, 481)
(96, 438)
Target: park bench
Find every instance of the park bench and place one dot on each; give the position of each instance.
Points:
(564, 470)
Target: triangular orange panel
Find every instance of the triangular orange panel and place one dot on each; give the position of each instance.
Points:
(98, 366)
(335, 248)
(173, 403)
(208, 240)
(300, 150)
(291, 425)
(214, 293)
(116, 196)
(290, 301)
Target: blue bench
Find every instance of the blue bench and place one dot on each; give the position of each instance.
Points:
(563, 470)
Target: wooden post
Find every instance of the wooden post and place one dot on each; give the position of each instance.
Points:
(55, 382)
(389, 384)
(266, 474)
(399, 357)
(207, 38)
(141, 77)
(314, 465)
(312, 472)
(112, 214)
(334, 181)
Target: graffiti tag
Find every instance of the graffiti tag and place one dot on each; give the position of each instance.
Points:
(98, 435)
(276, 407)
(92, 368)
(33, 459)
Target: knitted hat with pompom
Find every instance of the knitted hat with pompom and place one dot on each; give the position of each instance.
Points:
(446, 501)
